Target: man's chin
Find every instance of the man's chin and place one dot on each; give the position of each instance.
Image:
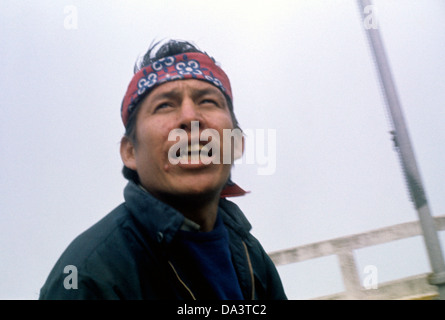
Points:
(202, 183)
(191, 195)
(196, 190)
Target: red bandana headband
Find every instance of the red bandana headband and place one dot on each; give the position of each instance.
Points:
(194, 65)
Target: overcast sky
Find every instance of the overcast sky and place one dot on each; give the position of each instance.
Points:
(300, 69)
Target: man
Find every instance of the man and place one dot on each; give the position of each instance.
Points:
(175, 236)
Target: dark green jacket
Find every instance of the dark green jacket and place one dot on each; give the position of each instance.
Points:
(127, 255)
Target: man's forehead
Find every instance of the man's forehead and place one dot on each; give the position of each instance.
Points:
(179, 87)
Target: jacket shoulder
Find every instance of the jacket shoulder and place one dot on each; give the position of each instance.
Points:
(86, 256)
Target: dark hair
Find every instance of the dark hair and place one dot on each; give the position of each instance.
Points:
(169, 48)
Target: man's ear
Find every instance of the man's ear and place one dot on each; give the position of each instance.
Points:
(238, 149)
(128, 153)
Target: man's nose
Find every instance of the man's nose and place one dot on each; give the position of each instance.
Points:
(189, 112)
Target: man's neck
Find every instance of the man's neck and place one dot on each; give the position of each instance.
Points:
(201, 209)
(202, 213)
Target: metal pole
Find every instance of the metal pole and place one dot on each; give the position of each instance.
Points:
(405, 150)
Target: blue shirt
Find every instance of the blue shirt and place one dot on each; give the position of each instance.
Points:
(208, 256)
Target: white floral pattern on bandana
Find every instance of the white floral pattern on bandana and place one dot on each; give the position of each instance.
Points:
(163, 64)
(147, 82)
(189, 67)
(211, 78)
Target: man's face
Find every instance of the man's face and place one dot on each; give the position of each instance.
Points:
(174, 105)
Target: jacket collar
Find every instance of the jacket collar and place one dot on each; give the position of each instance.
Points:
(157, 219)
(234, 218)
(161, 222)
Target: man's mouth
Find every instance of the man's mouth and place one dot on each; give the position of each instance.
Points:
(194, 151)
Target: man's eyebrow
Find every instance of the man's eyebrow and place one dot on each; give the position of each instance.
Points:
(196, 93)
(207, 91)
(167, 95)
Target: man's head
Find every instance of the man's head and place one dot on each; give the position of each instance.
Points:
(150, 115)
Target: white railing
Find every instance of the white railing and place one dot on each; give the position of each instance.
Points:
(344, 247)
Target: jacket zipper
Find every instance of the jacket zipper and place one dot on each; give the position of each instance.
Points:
(182, 282)
(252, 278)
(249, 263)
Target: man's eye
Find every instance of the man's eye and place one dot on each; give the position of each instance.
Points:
(162, 106)
(209, 101)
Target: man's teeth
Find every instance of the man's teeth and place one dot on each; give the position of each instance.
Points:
(196, 150)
